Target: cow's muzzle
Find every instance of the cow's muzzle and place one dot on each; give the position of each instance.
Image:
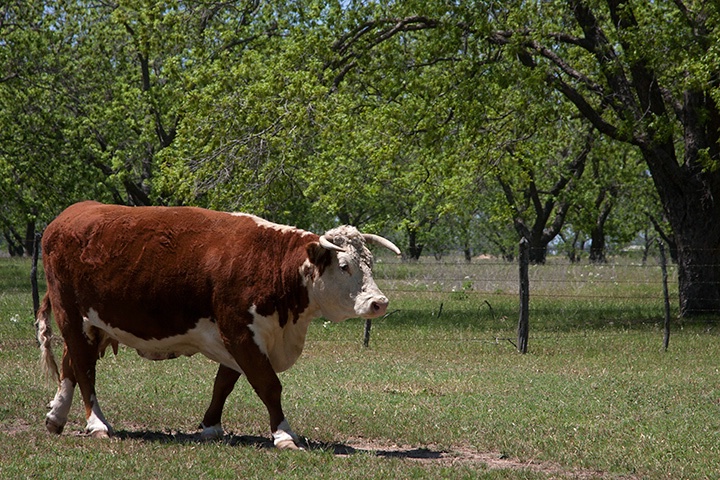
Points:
(378, 307)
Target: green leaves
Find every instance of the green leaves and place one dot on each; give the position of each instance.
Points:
(423, 119)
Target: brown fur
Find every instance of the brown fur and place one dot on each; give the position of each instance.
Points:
(154, 271)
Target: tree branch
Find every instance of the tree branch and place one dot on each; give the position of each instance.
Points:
(587, 110)
(349, 47)
(607, 59)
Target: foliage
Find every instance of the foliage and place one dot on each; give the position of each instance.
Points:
(630, 69)
(247, 124)
(439, 125)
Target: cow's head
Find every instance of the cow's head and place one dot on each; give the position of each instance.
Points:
(343, 286)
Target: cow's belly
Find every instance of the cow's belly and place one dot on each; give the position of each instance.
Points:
(203, 338)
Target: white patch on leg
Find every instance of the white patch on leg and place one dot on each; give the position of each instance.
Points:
(57, 417)
(284, 437)
(213, 432)
(96, 423)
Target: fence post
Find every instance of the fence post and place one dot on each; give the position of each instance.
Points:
(34, 280)
(33, 274)
(524, 321)
(366, 333)
(666, 296)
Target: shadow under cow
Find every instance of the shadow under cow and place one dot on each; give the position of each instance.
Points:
(339, 449)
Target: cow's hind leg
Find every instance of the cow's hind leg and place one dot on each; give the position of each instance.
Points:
(225, 381)
(83, 352)
(57, 417)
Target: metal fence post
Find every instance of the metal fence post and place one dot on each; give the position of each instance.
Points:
(366, 333)
(524, 321)
(663, 268)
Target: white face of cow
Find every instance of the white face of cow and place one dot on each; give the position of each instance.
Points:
(346, 288)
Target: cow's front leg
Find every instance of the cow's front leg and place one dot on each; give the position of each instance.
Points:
(267, 386)
(262, 377)
(225, 380)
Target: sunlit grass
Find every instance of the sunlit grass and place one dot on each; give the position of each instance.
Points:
(595, 393)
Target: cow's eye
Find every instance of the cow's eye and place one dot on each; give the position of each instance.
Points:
(344, 267)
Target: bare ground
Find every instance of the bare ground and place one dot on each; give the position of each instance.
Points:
(461, 454)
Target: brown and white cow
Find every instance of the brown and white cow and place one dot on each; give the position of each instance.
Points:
(177, 281)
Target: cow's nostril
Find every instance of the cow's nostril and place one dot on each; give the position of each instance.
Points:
(379, 306)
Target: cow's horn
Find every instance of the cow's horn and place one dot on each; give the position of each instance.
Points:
(328, 245)
(383, 242)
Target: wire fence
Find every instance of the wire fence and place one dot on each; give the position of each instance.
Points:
(622, 289)
(620, 277)
(625, 288)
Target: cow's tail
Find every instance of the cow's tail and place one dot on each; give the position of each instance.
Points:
(44, 336)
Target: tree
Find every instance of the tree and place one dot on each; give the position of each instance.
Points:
(642, 73)
(39, 166)
(249, 124)
(611, 206)
(88, 95)
(539, 167)
(645, 74)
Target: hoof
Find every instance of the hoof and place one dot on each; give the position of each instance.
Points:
(284, 438)
(100, 434)
(287, 444)
(53, 427)
(211, 433)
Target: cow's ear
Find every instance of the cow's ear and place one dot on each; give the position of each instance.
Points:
(315, 252)
(318, 255)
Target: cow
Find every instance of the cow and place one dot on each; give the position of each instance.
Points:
(172, 281)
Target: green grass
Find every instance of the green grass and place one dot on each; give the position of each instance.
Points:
(596, 395)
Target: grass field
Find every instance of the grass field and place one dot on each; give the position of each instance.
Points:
(440, 392)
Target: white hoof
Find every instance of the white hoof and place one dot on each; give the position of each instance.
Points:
(100, 434)
(287, 444)
(284, 438)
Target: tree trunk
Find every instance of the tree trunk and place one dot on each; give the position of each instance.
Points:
(690, 204)
(538, 250)
(414, 249)
(698, 272)
(604, 203)
(29, 238)
(15, 249)
(698, 281)
(597, 247)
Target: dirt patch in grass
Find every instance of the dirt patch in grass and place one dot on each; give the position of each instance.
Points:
(14, 426)
(460, 455)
